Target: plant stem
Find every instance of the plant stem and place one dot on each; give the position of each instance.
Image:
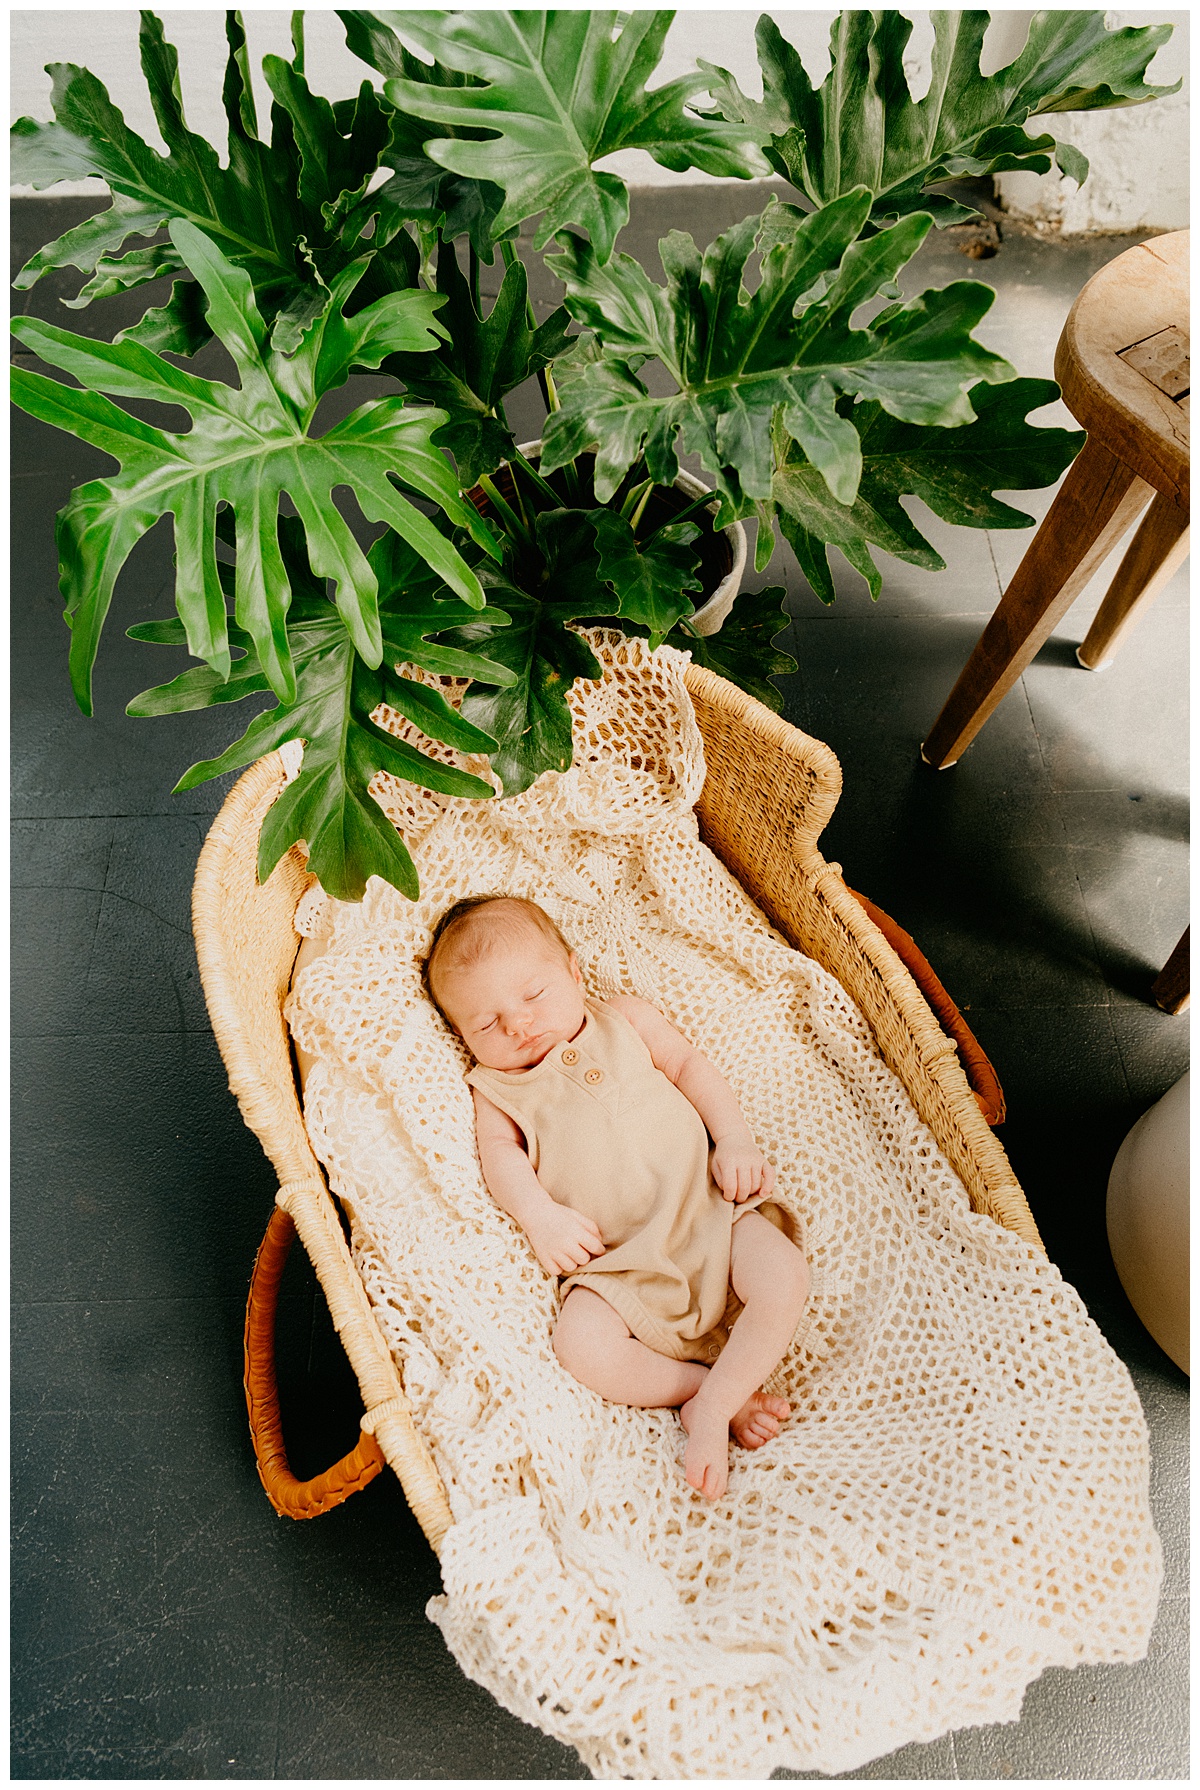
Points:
(298, 42)
(630, 479)
(684, 515)
(516, 528)
(634, 501)
(521, 504)
(535, 477)
(427, 241)
(570, 474)
(640, 511)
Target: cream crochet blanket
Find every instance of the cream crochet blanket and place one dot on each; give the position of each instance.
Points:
(961, 1496)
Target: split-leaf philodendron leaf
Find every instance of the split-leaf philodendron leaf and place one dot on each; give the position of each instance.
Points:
(530, 717)
(246, 447)
(862, 127)
(651, 578)
(281, 210)
(745, 361)
(419, 188)
(561, 90)
(741, 649)
(591, 568)
(954, 471)
(483, 358)
(328, 804)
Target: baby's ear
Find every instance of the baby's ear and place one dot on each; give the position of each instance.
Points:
(573, 966)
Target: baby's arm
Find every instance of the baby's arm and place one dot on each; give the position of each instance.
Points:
(739, 1166)
(562, 1238)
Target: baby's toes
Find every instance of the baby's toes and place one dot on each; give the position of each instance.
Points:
(754, 1428)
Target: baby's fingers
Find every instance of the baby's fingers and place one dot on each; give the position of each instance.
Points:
(572, 1257)
(759, 1178)
(727, 1179)
(584, 1223)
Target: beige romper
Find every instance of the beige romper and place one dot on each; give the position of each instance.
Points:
(610, 1135)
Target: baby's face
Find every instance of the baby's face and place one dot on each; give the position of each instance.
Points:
(514, 1005)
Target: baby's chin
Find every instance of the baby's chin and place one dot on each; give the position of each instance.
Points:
(523, 1059)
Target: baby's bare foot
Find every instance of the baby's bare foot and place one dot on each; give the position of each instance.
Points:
(759, 1419)
(706, 1463)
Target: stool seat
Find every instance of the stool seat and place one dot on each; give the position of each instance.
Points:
(1123, 361)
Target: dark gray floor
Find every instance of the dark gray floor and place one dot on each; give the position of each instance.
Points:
(166, 1624)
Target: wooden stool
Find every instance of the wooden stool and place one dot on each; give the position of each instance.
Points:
(1122, 363)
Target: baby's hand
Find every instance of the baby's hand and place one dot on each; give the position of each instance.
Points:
(740, 1168)
(563, 1239)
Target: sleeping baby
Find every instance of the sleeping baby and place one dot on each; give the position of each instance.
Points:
(594, 1121)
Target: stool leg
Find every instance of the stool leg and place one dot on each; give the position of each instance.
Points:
(1099, 499)
(1157, 551)
(1172, 986)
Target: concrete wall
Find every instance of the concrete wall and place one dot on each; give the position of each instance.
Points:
(1139, 155)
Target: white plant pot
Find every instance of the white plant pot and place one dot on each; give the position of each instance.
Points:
(708, 618)
(710, 615)
(1148, 1229)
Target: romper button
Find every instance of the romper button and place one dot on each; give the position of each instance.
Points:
(594, 1075)
(569, 1057)
(713, 1351)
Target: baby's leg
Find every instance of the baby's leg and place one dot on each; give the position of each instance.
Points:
(770, 1276)
(595, 1344)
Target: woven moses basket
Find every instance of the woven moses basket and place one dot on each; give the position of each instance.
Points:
(769, 791)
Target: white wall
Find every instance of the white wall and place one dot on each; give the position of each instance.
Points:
(1139, 155)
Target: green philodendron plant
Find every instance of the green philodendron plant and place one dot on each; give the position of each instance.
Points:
(813, 395)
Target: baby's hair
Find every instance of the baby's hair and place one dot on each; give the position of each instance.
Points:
(462, 936)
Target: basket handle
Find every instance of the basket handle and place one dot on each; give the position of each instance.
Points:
(981, 1077)
(289, 1496)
